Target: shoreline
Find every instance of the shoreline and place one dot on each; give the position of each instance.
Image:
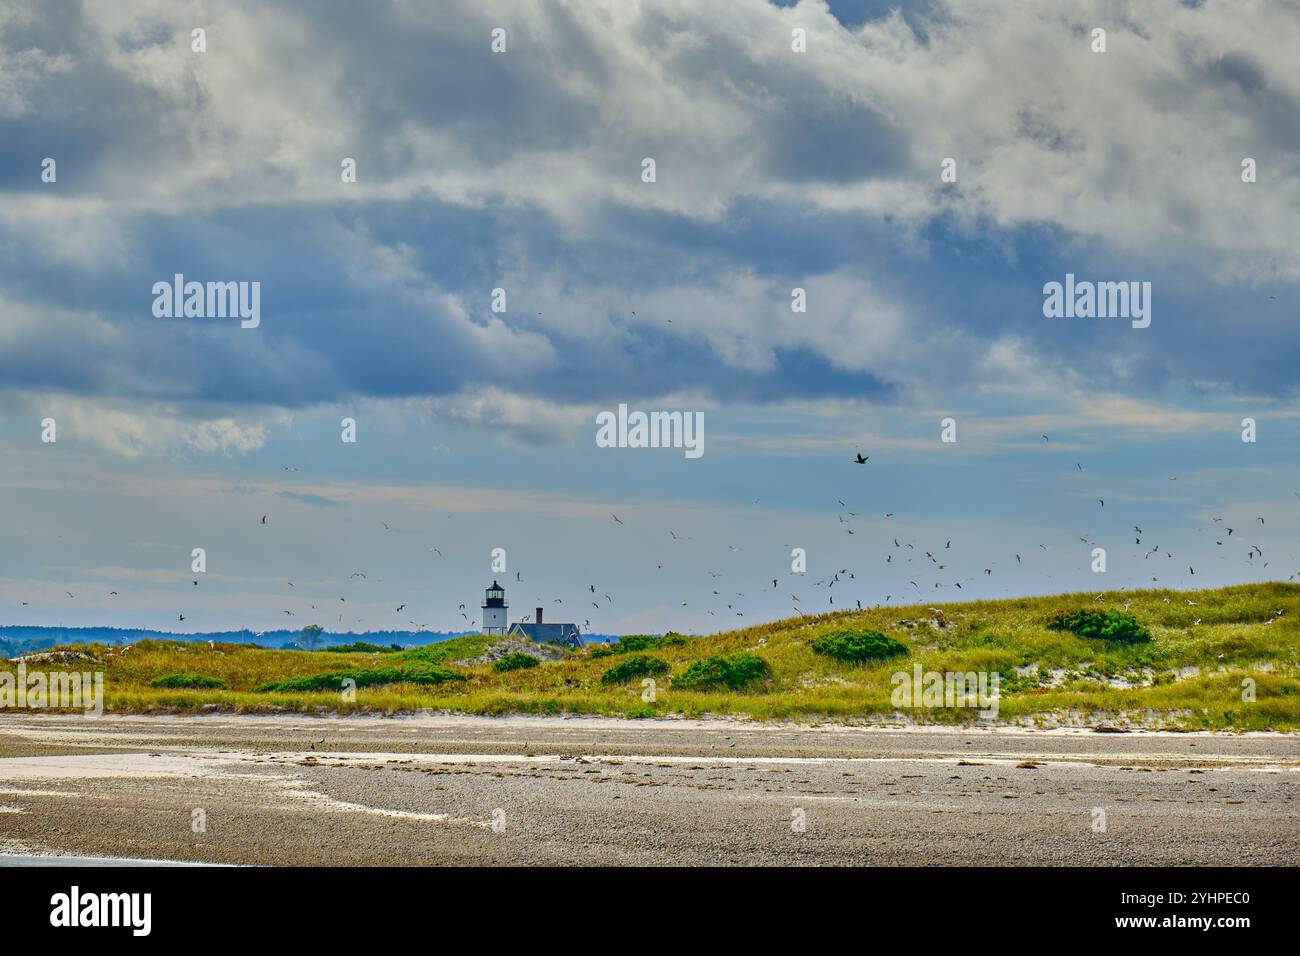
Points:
(527, 790)
(738, 721)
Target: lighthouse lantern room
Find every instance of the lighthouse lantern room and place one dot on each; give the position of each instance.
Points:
(494, 610)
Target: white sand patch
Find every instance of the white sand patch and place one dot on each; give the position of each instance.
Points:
(315, 800)
(62, 860)
(142, 766)
(397, 760)
(46, 727)
(90, 766)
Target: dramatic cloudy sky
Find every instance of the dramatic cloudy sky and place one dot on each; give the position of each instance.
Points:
(522, 170)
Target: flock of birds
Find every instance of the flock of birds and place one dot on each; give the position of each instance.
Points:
(926, 568)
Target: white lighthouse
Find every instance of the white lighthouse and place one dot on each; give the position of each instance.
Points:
(494, 610)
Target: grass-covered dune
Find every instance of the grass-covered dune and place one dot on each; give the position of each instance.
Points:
(1175, 659)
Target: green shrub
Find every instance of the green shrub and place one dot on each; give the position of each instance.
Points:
(638, 665)
(637, 642)
(188, 680)
(646, 642)
(515, 662)
(1110, 625)
(857, 647)
(429, 674)
(735, 671)
(361, 647)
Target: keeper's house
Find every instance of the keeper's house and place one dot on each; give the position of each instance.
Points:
(495, 610)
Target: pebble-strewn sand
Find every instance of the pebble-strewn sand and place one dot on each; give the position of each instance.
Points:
(465, 790)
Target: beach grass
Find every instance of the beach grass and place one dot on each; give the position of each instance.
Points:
(1224, 659)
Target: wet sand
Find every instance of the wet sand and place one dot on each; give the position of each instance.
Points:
(434, 790)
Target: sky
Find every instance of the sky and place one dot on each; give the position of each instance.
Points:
(523, 170)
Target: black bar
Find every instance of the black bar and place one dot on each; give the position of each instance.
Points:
(340, 905)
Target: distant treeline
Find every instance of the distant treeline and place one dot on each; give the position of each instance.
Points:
(15, 640)
(22, 640)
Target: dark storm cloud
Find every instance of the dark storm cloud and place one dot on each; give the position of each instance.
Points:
(414, 72)
(84, 110)
(387, 296)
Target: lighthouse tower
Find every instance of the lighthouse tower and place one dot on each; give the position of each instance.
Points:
(494, 610)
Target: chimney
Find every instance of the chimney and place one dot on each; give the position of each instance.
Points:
(539, 615)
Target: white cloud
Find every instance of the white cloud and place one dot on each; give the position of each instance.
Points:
(524, 421)
(131, 429)
(1134, 154)
(1141, 142)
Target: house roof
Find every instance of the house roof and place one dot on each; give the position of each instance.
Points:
(548, 633)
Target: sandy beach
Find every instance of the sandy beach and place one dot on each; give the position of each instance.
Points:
(432, 790)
